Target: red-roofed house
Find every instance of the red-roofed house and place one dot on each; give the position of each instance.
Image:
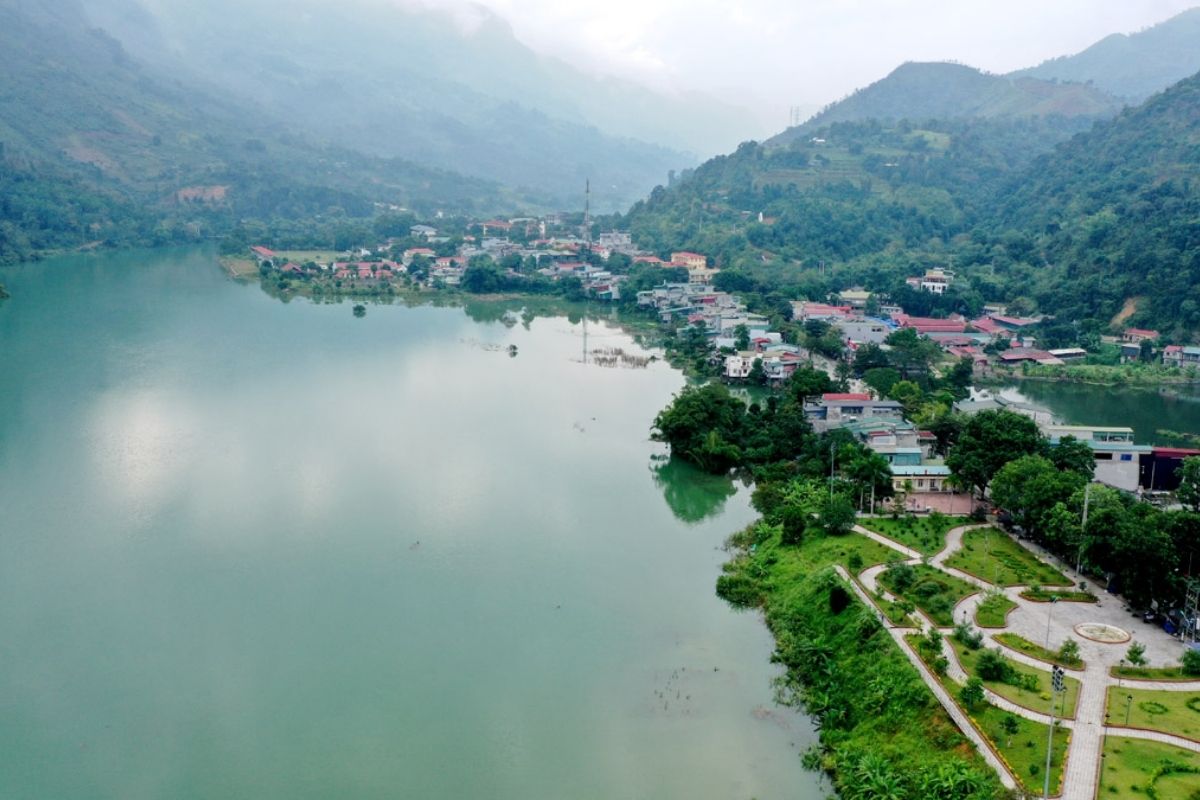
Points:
(1139, 335)
(929, 325)
(290, 267)
(648, 260)
(262, 252)
(803, 310)
(844, 396)
(689, 260)
(988, 325)
(497, 224)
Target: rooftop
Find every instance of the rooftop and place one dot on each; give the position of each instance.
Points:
(920, 470)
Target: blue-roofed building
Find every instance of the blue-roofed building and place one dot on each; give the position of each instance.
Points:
(921, 478)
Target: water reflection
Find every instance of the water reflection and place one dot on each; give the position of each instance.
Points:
(692, 494)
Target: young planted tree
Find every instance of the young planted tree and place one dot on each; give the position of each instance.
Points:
(1011, 727)
(971, 693)
(1136, 654)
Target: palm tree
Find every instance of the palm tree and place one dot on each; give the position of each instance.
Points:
(869, 470)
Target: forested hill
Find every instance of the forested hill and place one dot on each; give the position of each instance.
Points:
(1047, 214)
(921, 91)
(1116, 211)
(413, 81)
(94, 146)
(1136, 65)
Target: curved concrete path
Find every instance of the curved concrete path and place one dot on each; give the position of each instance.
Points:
(1049, 626)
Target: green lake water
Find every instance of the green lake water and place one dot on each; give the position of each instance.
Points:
(251, 549)
(1147, 410)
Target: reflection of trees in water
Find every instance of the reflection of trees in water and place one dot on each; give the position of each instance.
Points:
(692, 494)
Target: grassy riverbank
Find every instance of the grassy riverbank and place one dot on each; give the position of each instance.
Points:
(1117, 375)
(878, 720)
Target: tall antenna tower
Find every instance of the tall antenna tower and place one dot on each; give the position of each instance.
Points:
(795, 116)
(587, 212)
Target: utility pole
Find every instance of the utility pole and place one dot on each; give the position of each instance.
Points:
(832, 462)
(1087, 499)
(1057, 686)
(1049, 613)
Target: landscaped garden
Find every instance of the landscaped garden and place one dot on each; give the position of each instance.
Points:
(993, 611)
(1016, 682)
(1039, 595)
(1020, 742)
(1155, 673)
(1137, 769)
(928, 588)
(1156, 710)
(1066, 656)
(992, 555)
(924, 534)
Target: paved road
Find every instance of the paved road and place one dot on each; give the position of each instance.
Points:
(1048, 625)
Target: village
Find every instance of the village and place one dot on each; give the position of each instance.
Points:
(743, 348)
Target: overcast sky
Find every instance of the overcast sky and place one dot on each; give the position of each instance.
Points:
(772, 54)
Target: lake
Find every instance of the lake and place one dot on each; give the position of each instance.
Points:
(1146, 410)
(268, 550)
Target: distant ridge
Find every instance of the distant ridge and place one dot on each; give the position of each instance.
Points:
(1132, 66)
(942, 90)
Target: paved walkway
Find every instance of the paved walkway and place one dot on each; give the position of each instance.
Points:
(956, 714)
(1048, 625)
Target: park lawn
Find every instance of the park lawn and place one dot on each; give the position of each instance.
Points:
(992, 555)
(1039, 700)
(876, 699)
(1045, 596)
(924, 534)
(933, 591)
(993, 611)
(842, 550)
(1025, 749)
(1153, 673)
(1023, 645)
(1156, 710)
(793, 563)
(1131, 765)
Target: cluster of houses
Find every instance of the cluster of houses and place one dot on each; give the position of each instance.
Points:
(727, 324)
(922, 480)
(557, 253)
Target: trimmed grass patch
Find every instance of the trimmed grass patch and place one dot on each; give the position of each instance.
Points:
(1156, 710)
(993, 611)
(1023, 645)
(994, 556)
(1034, 693)
(927, 588)
(924, 534)
(1153, 673)
(1024, 750)
(1137, 769)
(1045, 595)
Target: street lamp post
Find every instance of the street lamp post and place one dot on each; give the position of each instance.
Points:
(1057, 686)
(1128, 708)
(1049, 613)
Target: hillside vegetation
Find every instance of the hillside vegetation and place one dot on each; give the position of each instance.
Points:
(1062, 215)
(94, 146)
(1132, 66)
(921, 91)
